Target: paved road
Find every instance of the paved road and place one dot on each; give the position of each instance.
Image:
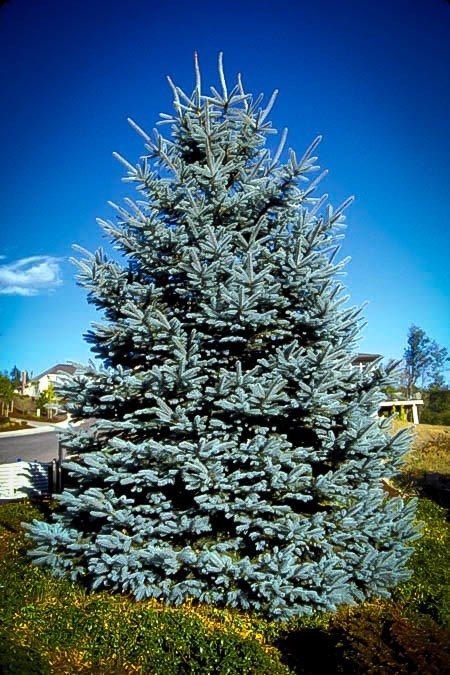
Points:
(42, 446)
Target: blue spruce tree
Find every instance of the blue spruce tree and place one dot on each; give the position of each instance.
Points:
(236, 457)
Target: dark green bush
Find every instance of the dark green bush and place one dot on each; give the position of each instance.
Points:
(6, 424)
(106, 636)
(18, 660)
(377, 638)
(43, 417)
(372, 638)
(440, 418)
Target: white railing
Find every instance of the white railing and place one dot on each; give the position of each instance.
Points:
(19, 480)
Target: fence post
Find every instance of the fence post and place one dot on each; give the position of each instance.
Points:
(53, 476)
(59, 485)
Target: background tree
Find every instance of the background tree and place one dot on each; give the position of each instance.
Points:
(424, 361)
(439, 359)
(46, 399)
(15, 377)
(6, 394)
(416, 357)
(236, 457)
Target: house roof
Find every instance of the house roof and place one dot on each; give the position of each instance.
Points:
(60, 367)
(365, 358)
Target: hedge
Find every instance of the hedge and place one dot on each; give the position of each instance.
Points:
(51, 625)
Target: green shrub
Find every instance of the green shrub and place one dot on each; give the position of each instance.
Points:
(107, 634)
(7, 425)
(428, 590)
(121, 635)
(43, 417)
(440, 418)
(430, 454)
(437, 407)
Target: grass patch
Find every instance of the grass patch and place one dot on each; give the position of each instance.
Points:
(429, 455)
(426, 470)
(428, 590)
(13, 427)
(7, 424)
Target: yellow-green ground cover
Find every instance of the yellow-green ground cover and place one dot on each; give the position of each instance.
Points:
(50, 625)
(431, 451)
(427, 466)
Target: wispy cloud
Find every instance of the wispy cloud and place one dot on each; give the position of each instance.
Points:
(30, 276)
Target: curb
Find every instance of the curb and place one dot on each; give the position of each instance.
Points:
(37, 428)
(42, 429)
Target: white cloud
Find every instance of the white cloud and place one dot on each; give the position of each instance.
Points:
(30, 276)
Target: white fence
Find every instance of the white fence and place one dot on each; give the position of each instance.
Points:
(26, 479)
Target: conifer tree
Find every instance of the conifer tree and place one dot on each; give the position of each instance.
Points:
(236, 457)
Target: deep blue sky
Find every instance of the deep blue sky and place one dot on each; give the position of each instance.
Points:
(372, 77)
